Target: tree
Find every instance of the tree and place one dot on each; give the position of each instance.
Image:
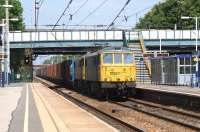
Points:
(16, 55)
(15, 12)
(58, 59)
(167, 14)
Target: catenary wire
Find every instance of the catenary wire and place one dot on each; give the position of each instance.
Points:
(112, 23)
(75, 12)
(62, 14)
(98, 7)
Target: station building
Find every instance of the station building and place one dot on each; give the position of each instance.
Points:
(181, 69)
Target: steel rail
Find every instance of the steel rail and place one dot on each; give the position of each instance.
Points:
(166, 108)
(152, 113)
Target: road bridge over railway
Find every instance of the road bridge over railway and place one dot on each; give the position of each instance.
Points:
(80, 41)
(62, 41)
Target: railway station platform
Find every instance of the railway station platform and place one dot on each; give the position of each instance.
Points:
(177, 96)
(32, 107)
(182, 90)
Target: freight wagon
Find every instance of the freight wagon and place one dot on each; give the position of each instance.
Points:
(174, 70)
(62, 73)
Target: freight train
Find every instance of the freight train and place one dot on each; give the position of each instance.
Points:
(107, 72)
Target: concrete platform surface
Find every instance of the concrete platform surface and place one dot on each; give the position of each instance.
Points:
(185, 90)
(64, 115)
(32, 107)
(9, 97)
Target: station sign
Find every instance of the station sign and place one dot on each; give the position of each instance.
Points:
(152, 55)
(148, 55)
(196, 59)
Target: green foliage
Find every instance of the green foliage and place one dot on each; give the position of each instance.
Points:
(16, 58)
(17, 55)
(168, 13)
(53, 60)
(15, 12)
(58, 59)
(48, 61)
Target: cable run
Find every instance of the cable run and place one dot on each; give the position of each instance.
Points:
(38, 5)
(41, 3)
(80, 7)
(75, 12)
(98, 7)
(127, 17)
(62, 14)
(112, 23)
(136, 13)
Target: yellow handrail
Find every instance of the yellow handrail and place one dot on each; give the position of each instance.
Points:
(143, 51)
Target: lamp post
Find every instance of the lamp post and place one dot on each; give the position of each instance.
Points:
(6, 6)
(2, 54)
(6, 38)
(7, 47)
(196, 28)
(160, 45)
(196, 42)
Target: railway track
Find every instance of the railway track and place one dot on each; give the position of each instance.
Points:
(182, 118)
(117, 123)
(113, 121)
(179, 117)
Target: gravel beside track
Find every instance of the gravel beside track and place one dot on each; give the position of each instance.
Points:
(179, 117)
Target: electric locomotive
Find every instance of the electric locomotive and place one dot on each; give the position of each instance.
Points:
(108, 72)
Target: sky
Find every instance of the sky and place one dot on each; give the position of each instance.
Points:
(52, 9)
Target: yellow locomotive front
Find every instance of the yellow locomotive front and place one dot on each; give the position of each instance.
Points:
(117, 67)
(118, 70)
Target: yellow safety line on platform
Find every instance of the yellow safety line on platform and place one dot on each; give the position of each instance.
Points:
(88, 113)
(50, 120)
(26, 110)
(46, 121)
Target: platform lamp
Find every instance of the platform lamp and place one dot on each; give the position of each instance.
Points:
(8, 50)
(7, 6)
(2, 59)
(7, 47)
(196, 42)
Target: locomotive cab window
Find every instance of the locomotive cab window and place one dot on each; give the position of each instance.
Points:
(128, 58)
(117, 58)
(107, 58)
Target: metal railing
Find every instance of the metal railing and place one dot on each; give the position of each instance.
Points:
(146, 61)
(164, 34)
(59, 35)
(65, 35)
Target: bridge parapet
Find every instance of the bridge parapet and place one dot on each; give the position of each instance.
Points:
(79, 38)
(170, 34)
(163, 34)
(65, 36)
